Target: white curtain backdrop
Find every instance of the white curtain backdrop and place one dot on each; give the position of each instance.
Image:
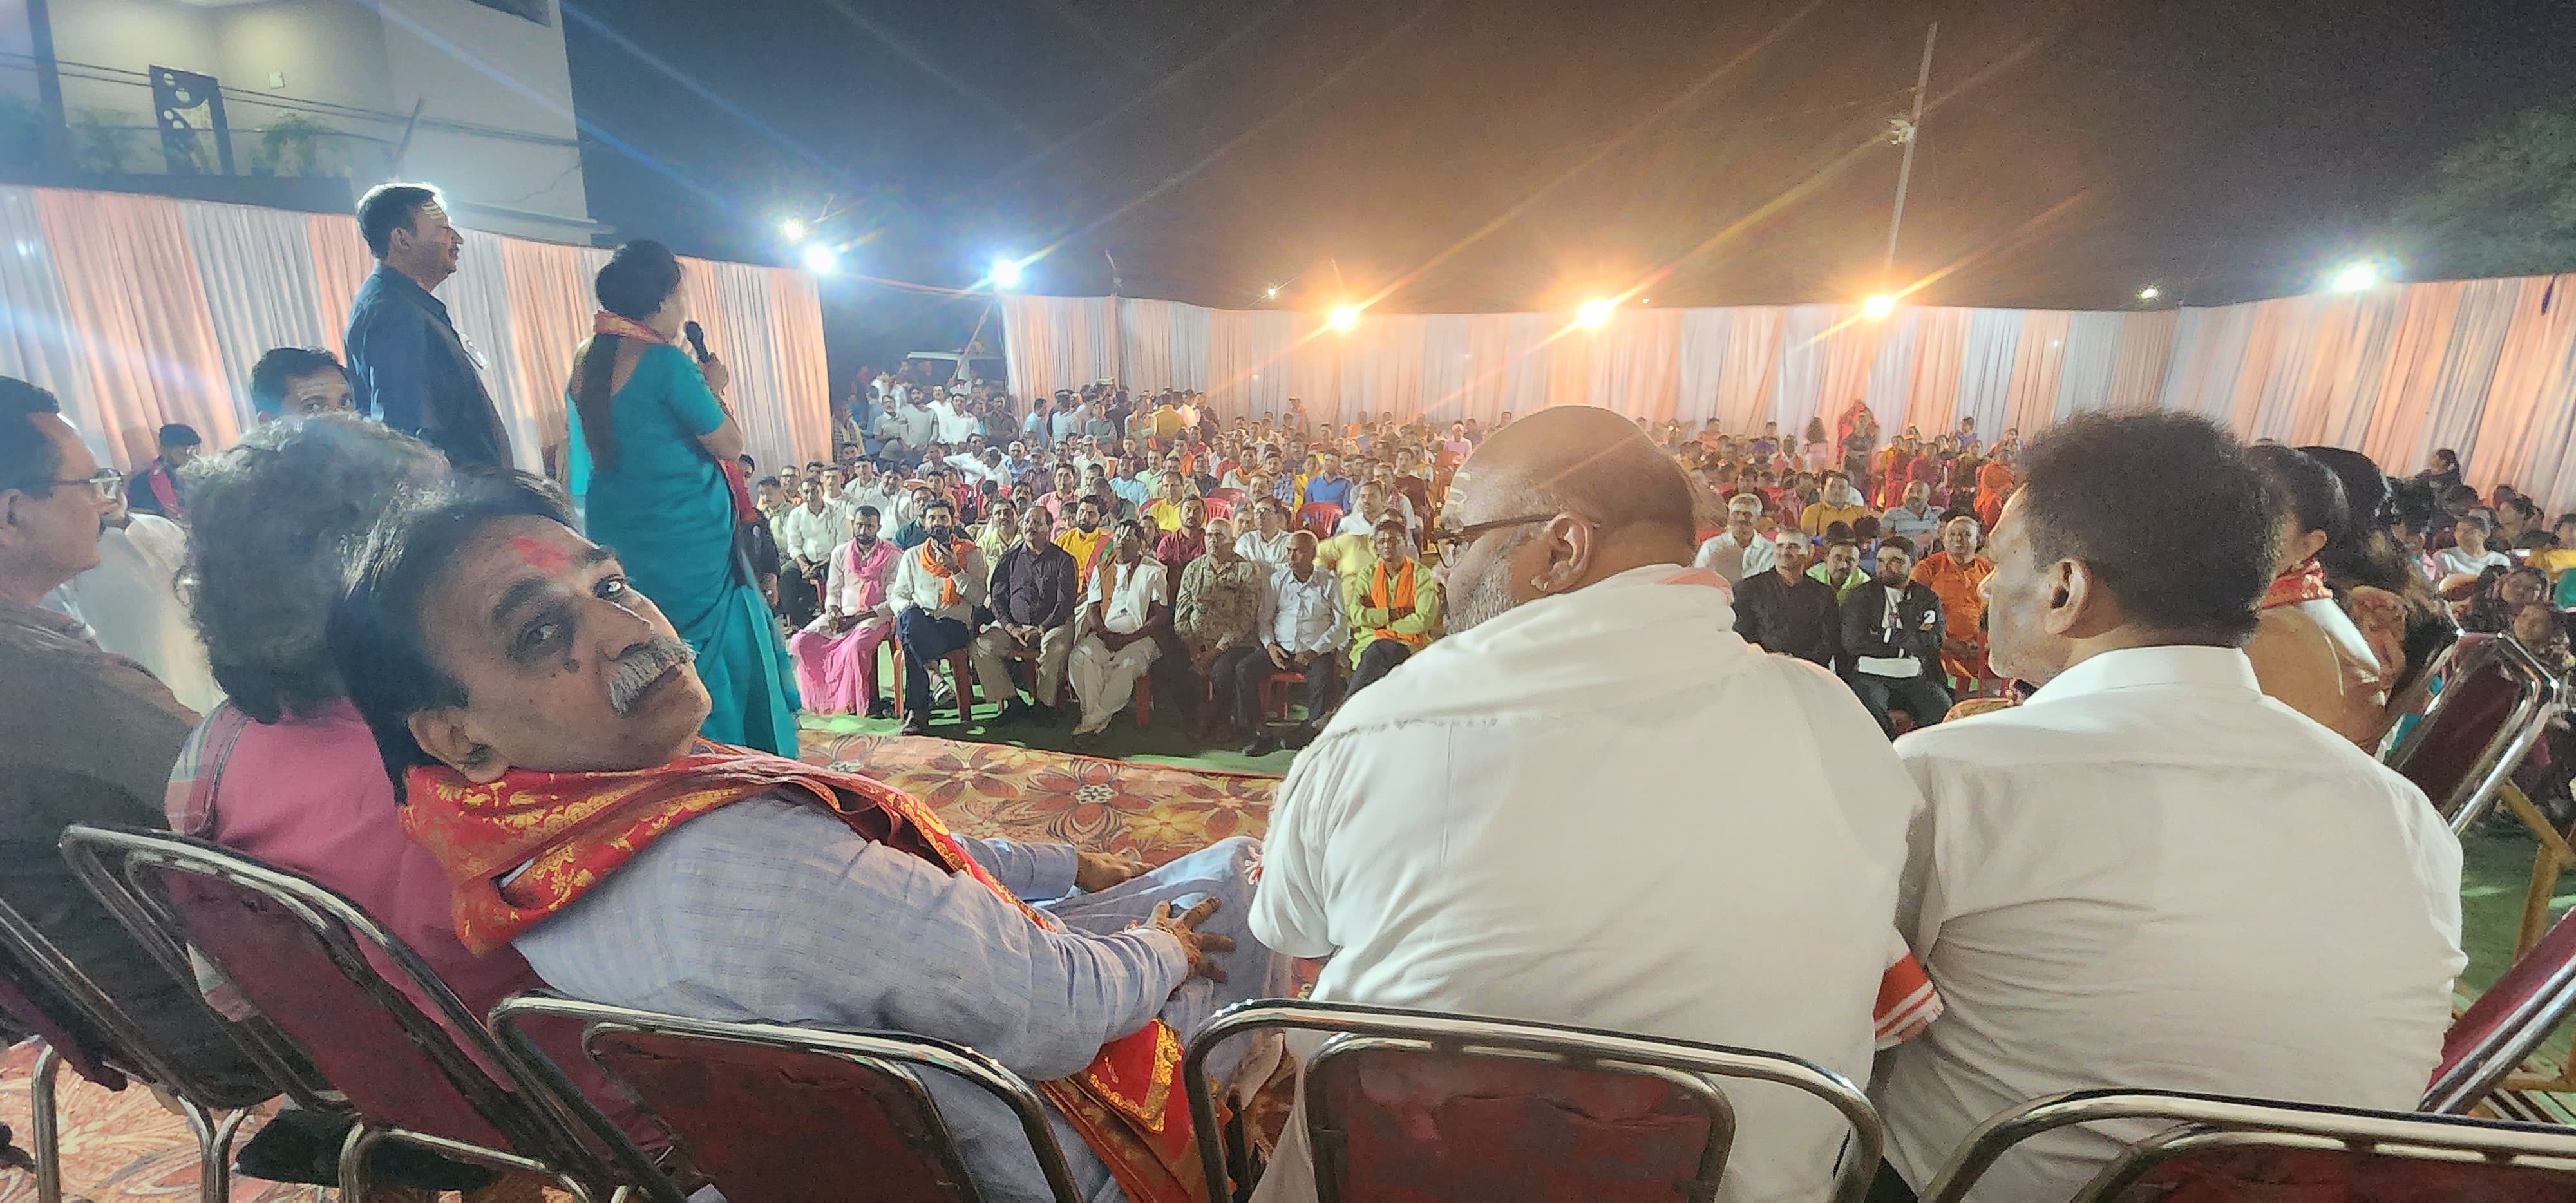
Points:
(2487, 367)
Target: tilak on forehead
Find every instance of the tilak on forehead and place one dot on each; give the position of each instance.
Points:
(542, 555)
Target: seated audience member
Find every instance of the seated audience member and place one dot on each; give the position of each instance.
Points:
(298, 382)
(807, 536)
(1840, 503)
(2468, 556)
(937, 586)
(2306, 651)
(1369, 505)
(915, 529)
(1395, 612)
(1957, 575)
(1083, 536)
(1915, 520)
(131, 602)
(836, 654)
(1035, 590)
(1180, 546)
(2537, 629)
(1839, 569)
(1302, 631)
(1740, 550)
(2149, 875)
(531, 710)
(1421, 842)
(157, 488)
(1788, 612)
(1126, 609)
(85, 736)
(2502, 596)
(1215, 613)
(1892, 640)
(1266, 541)
(999, 530)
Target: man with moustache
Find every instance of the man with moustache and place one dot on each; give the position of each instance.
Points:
(937, 586)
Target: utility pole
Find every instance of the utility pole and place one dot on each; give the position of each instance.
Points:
(1908, 133)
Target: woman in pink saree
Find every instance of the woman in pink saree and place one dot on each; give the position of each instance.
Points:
(836, 654)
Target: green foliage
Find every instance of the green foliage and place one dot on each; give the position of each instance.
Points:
(300, 146)
(105, 142)
(2501, 204)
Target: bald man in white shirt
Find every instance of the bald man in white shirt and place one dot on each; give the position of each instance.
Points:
(2151, 875)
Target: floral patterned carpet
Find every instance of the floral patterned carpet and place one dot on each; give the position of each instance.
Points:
(125, 1146)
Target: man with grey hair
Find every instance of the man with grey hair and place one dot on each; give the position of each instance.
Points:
(1421, 841)
(1738, 551)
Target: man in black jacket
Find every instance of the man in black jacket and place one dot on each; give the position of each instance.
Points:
(1786, 611)
(1892, 641)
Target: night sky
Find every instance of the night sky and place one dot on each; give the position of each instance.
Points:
(1506, 154)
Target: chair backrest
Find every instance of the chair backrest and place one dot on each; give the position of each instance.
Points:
(1319, 518)
(1228, 496)
(1218, 507)
(47, 992)
(2506, 1023)
(2485, 702)
(776, 1114)
(314, 964)
(1413, 1105)
(2232, 1150)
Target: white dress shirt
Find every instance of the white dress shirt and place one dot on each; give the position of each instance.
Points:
(1303, 616)
(1520, 821)
(1132, 595)
(809, 534)
(2151, 875)
(1736, 561)
(1269, 551)
(918, 588)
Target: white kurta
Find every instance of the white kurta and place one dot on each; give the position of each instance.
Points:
(1525, 820)
(1105, 680)
(2152, 875)
(132, 600)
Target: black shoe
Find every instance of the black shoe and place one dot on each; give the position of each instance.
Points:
(1014, 711)
(1261, 745)
(1046, 715)
(916, 723)
(881, 708)
(1303, 735)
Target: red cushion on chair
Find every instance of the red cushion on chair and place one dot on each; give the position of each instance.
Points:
(287, 973)
(2479, 704)
(1432, 1127)
(784, 1126)
(2224, 1175)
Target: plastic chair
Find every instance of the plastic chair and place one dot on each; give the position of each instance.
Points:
(1409, 1106)
(316, 966)
(1318, 518)
(1277, 694)
(2229, 1149)
(1218, 507)
(777, 1114)
(2480, 707)
(2503, 1027)
(961, 677)
(81, 1025)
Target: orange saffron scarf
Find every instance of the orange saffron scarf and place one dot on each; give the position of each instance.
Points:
(572, 830)
(947, 576)
(1399, 597)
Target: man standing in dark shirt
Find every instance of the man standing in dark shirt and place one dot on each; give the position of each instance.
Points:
(1787, 611)
(1033, 599)
(156, 489)
(408, 365)
(1892, 641)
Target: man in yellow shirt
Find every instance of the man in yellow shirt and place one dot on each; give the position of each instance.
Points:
(1395, 609)
(1085, 538)
(1165, 509)
(2557, 558)
(1841, 503)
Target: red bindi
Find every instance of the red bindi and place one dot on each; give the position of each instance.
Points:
(541, 555)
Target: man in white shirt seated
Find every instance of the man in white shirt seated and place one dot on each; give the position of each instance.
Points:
(1128, 605)
(2149, 874)
(806, 535)
(1522, 822)
(1267, 543)
(937, 586)
(1738, 551)
(1302, 630)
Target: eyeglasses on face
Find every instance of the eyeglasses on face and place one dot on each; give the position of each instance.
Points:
(1447, 542)
(106, 480)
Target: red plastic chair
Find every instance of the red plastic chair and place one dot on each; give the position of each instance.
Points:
(1319, 518)
(777, 1114)
(1276, 695)
(1420, 1107)
(961, 677)
(1219, 507)
(81, 1025)
(1229, 496)
(2483, 704)
(2230, 1150)
(2503, 1027)
(309, 961)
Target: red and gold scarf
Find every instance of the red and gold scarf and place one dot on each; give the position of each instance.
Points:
(572, 830)
(2304, 583)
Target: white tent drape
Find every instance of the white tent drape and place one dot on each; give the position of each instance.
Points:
(2487, 367)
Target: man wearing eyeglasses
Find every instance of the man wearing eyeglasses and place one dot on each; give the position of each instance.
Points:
(1505, 825)
(85, 736)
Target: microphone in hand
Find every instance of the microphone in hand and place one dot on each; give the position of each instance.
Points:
(697, 336)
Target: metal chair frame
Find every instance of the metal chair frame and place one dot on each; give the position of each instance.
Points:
(561, 1127)
(213, 1116)
(1366, 1027)
(2541, 695)
(2205, 1121)
(896, 1054)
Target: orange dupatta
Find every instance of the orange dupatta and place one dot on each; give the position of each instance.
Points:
(1402, 598)
(572, 830)
(948, 594)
